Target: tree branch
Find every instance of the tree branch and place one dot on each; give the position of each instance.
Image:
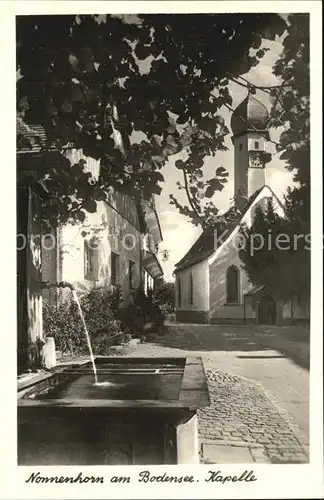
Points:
(259, 87)
(191, 202)
(265, 89)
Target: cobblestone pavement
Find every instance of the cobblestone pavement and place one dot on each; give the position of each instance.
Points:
(242, 415)
(244, 422)
(278, 358)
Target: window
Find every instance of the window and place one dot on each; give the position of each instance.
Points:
(190, 289)
(114, 258)
(131, 274)
(240, 147)
(179, 292)
(90, 257)
(232, 285)
(256, 145)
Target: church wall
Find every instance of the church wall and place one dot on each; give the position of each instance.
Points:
(198, 311)
(297, 312)
(226, 256)
(256, 176)
(241, 164)
(256, 136)
(220, 311)
(256, 180)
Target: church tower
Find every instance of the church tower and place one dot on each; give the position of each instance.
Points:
(250, 135)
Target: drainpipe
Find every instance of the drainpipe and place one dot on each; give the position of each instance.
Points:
(292, 311)
(244, 312)
(141, 262)
(257, 311)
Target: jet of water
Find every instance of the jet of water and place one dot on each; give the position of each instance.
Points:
(76, 299)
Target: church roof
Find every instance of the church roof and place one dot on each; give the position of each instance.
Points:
(206, 244)
(250, 115)
(200, 250)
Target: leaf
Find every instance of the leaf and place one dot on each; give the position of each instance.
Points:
(142, 51)
(214, 185)
(155, 50)
(157, 176)
(285, 155)
(180, 164)
(182, 119)
(90, 206)
(260, 53)
(253, 61)
(81, 215)
(220, 171)
(257, 41)
(74, 61)
(76, 94)
(67, 106)
(209, 193)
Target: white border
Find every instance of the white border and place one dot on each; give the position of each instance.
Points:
(288, 481)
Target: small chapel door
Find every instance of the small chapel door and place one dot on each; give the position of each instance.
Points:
(267, 311)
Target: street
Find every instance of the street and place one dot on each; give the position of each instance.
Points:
(276, 358)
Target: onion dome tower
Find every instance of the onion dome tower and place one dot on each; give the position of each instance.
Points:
(250, 134)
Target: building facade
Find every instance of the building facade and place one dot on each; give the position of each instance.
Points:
(116, 246)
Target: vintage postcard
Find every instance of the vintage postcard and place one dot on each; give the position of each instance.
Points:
(162, 299)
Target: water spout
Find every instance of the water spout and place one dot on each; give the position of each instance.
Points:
(66, 284)
(76, 299)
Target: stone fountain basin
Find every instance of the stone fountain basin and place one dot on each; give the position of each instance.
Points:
(134, 416)
(145, 382)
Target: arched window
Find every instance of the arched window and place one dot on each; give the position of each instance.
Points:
(190, 289)
(179, 292)
(232, 285)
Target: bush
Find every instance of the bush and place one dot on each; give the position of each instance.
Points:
(142, 316)
(164, 295)
(100, 308)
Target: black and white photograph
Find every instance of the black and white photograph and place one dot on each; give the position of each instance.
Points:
(164, 296)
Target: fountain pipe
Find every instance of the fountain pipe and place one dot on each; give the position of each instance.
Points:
(61, 284)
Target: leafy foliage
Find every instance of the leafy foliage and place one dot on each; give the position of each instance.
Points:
(291, 101)
(143, 315)
(164, 294)
(286, 272)
(100, 309)
(92, 84)
(273, 255)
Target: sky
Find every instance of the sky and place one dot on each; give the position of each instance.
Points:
(178, 233)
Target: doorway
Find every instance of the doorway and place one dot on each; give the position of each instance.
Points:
(266, 311)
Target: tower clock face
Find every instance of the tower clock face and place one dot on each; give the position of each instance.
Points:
(255, 160)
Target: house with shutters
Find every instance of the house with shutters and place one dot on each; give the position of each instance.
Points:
(211, 284)
(116, 246)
